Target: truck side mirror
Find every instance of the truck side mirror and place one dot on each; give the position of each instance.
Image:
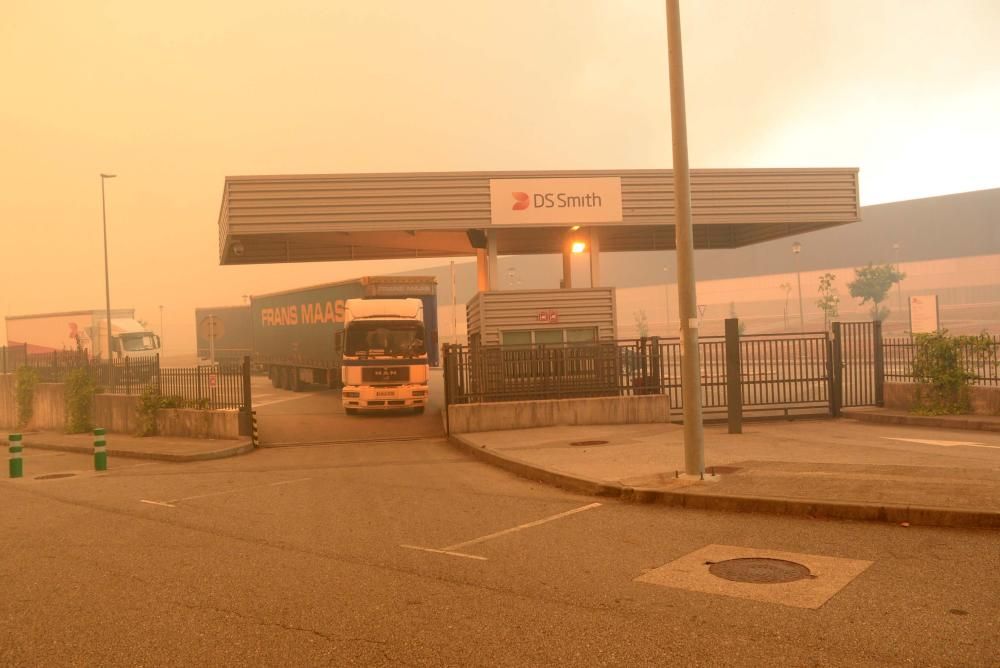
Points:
(156, 342)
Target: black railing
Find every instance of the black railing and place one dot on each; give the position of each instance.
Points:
(222, 386)
(981, 362)
(776, 372)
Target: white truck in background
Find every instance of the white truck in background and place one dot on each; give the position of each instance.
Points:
(84, 331)
(384, 362)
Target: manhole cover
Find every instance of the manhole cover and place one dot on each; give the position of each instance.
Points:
(53, 476)
(757, 570)
(589, 443)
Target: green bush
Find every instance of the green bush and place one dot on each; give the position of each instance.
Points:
(938, 367)
(25, 381)
(151, 401)
(80, 389)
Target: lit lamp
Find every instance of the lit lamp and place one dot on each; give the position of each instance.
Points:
(578, 246)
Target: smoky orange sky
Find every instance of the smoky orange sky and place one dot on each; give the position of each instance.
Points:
(174, 96)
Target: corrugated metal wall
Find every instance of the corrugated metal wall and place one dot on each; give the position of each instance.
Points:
(490, 313)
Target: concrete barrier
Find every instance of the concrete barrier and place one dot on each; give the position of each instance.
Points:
(503, 415)
(194, 423)
(903, 397)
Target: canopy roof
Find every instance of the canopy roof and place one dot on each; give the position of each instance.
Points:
(311, 218)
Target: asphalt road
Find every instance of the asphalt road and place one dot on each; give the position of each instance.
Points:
(316, 415)
(293, 556)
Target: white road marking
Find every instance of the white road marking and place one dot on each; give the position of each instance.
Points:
(944, 444)
(451, 549)
(454, 554)
(521, 527)
(170, 503)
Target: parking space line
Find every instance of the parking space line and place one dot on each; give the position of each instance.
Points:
(449, 552)
(171, 502)
(943, 444)
(521, 527)
(451, 549)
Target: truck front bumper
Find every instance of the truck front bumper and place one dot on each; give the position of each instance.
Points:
(377, 398)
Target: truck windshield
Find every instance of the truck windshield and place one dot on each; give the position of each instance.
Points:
(134, 343)
(395, 339)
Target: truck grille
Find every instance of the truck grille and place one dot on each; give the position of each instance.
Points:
(385, 374)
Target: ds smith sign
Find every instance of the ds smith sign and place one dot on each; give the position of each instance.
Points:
(556, 201)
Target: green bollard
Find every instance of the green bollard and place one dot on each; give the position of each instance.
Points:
(100, 453)
(16, 463)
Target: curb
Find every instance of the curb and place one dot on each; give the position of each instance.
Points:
(224, 453)
(865, 512)
(967, 423)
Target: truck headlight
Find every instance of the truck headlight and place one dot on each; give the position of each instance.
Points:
(419, 393)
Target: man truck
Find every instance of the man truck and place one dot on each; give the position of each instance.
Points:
(83, 331)
(373, 336)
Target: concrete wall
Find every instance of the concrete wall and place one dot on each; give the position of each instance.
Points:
(116, 413)
(903, 397)
(193, 423)
(8, 411)
(468, 418)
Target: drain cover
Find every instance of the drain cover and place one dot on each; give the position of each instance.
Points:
(757, 570)
(589, 443)
(53, 476)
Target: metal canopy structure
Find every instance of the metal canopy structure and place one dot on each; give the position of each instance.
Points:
(314, 218)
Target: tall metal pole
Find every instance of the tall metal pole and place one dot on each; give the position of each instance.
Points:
(454, 307)
(694, 436)
(161, 328)
(107, 281)
(796, 249)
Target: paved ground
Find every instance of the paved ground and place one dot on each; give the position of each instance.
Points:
(812, 462)
(292, 556)
(317, 416)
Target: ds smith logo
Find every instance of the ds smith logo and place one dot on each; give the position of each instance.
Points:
(523, 201)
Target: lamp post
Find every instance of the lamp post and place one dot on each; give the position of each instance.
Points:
(666, 297)
(796, 249)
(161, 329)
(694, 434)
(107, 283)
(899, 287)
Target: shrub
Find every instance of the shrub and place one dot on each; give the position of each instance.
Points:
(938, 366)
(80, 389)
(25, 381)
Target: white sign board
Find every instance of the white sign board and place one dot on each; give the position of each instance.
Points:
(556, 201)
(924, 314)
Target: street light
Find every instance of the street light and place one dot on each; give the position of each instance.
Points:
(899, 287)
(796, 249)
(161, 329)
(107, 283)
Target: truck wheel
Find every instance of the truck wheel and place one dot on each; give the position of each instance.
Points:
(294, 382)
(351, 411)
(419, 410)
(283, 377)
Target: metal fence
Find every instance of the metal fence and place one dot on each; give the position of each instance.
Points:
(776, 372)
(982, 363)
(222, 386)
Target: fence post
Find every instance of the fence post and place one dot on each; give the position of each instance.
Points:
(16, 465)
(835, 371)
(449, 368)
(879, 364)
(734, 387)
(246, 419)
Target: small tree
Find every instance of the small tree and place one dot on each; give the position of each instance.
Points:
(80, 389)
(829, 299)
(641, 323)
(25, 380)
(939, 365)
(872, 284)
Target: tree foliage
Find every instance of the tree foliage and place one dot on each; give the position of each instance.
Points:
(25, 381)
(80, 389)
(872, 284)
(829, 298)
